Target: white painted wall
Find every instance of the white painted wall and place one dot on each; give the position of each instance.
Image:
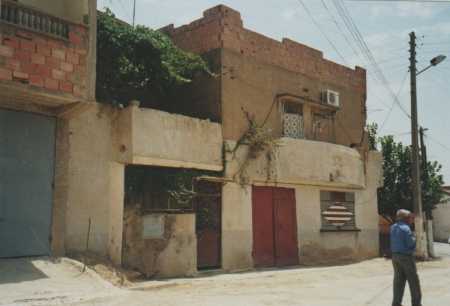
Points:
(441, 221)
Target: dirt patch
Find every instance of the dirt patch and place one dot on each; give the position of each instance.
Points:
(117, 276)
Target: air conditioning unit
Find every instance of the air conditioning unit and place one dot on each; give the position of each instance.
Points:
(331, 97)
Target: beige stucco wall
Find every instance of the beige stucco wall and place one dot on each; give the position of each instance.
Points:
(152, 137)
(174, 254)
(95, 185)
(441, 221)
(90, 173)
(325, 247)
(237, 234)
(300, 161)
(314, 246)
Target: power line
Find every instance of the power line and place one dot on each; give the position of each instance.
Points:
(349, 43)
(438, 142)
(393, 102)
(359, 39)
(322, 31)
(341, 31)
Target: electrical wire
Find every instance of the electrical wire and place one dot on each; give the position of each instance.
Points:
(438, 142)
(359, 39)
(402, 84)
(322, 31)
(338, 26)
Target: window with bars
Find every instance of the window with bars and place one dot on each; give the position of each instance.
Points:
(293, 125)
(337, 211)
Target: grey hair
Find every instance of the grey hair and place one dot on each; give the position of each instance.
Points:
(403, 214)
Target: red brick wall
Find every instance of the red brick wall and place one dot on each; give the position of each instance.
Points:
(222, 27)
(56, 65)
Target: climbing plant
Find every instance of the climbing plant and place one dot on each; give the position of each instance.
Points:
(259, 140)
(140, 63)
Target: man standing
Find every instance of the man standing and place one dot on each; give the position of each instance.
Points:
(403, 245)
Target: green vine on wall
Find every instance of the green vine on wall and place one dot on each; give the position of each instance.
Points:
(259, 140)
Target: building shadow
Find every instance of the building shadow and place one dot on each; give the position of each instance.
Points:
(17, 270)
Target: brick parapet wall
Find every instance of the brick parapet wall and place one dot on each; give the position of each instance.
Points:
(57, 65)
(222, 27)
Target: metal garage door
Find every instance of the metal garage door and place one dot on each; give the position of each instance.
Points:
(27, 145)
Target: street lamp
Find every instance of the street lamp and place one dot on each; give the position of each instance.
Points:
(434, 62)
(422, 250)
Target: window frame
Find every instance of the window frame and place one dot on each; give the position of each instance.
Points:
(330, 198)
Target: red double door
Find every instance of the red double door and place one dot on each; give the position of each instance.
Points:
(274, 227)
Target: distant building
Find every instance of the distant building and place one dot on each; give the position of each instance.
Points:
(441, 218)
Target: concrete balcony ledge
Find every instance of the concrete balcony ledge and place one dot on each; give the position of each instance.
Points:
(156, 138)
(305, 162)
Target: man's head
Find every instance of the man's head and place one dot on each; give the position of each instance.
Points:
(403, 215)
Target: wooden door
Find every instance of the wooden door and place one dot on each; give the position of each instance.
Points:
(286, 250)
(274, 227)
(208, 225)
(263, 234)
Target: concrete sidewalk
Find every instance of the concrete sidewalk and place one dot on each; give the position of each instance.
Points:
(47, 281)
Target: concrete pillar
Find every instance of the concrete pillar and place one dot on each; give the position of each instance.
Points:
(237, 234)
(116, 207)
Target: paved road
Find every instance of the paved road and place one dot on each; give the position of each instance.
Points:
(362, 284)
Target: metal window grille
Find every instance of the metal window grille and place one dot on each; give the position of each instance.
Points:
(337, 210)
(293, 126)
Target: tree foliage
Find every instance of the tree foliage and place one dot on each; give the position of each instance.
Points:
(139, 63)
(396, 192)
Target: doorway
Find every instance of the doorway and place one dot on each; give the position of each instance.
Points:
(27, 154)
(274, 227)
(208, 208)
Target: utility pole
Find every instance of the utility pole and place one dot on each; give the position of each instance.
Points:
(428, 210)
(416, 188)
(134, 12)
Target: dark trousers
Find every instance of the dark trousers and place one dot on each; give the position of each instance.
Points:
(405, 270)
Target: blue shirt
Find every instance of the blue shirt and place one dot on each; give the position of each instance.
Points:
(403, 240)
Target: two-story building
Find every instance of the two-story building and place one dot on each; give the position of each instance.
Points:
(47, 73)
(311, 195)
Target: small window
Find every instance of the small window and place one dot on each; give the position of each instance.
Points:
(337, 210)
(293, 125)
(322, 127)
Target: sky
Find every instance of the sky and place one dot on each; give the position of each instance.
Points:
(384, 26)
